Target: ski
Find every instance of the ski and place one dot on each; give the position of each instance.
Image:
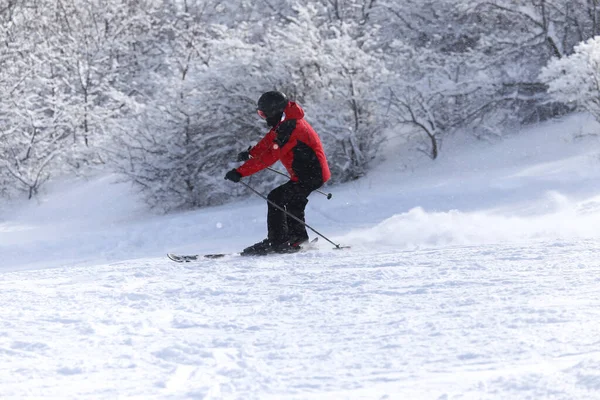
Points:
(182, 258)
(195, 257)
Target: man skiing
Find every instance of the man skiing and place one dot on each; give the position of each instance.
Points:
(294, 142)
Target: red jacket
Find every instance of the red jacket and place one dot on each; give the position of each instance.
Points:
(296, 144)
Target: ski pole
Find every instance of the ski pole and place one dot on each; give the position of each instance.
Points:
(328, 195)
(337, 246)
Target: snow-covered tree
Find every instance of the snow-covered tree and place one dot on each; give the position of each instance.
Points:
(165, 90)
(33, 125)
(520, 37)
(63, 83)
(576, 78)
(199, 116)
(187, 137)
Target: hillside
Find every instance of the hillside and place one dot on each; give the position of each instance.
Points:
(471, 277)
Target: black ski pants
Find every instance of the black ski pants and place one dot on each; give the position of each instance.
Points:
(293, 197)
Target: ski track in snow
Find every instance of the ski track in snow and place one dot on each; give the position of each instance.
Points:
(486, 322)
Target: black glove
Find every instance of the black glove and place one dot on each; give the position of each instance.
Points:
(244, 155)
(233, 176)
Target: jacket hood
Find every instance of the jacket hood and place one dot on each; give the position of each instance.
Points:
(293, 111)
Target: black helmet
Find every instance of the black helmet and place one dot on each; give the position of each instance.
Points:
(272, 103)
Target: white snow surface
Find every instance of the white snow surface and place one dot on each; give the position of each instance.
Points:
(476, 276)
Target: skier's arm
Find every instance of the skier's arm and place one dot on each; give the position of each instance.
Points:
(254, 165)
(264, 154)
(263, 145)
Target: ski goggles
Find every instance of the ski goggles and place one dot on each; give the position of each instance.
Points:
(261, 114)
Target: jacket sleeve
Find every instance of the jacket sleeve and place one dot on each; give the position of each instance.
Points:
(264, 154)
(263, 145)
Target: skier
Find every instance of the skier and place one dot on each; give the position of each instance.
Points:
(295, 143)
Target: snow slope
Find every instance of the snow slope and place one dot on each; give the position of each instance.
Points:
(474, 277)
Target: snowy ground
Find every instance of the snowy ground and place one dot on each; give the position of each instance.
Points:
(474, 277)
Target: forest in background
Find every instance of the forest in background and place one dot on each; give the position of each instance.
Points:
(164, 92)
